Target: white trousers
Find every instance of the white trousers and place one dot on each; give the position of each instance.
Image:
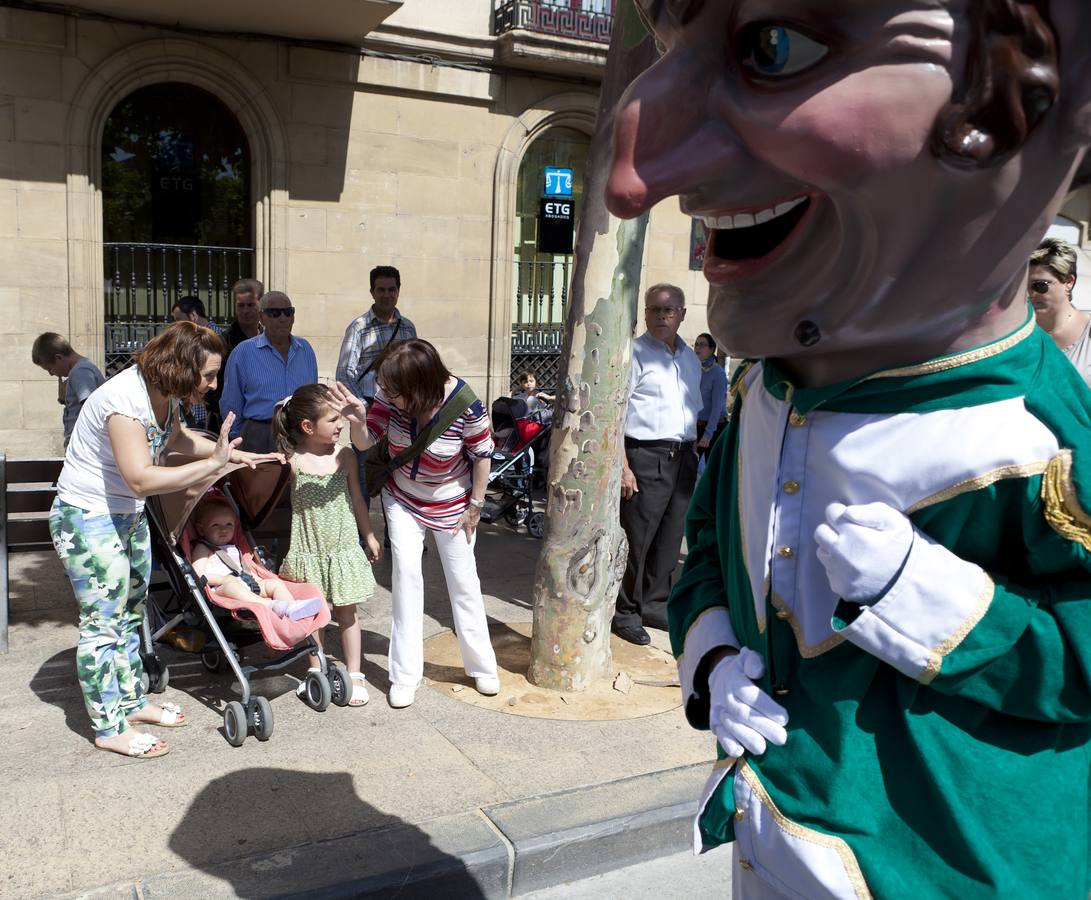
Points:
(463, 586)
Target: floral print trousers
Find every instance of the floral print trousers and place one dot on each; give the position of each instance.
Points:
(108, 560)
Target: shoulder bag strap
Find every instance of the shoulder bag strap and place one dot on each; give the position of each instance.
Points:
(455, 406)
(371, 364)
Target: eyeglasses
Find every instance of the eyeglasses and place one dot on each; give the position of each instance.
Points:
(277, 311)
(1040, 287)
(667, 312)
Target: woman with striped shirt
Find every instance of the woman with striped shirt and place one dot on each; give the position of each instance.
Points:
(441, 490)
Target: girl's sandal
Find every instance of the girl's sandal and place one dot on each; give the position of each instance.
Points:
(359, 689)
(171, 717)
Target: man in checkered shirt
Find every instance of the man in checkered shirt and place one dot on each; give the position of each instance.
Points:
(369, 335)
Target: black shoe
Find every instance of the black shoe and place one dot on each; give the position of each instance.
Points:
(634, 634)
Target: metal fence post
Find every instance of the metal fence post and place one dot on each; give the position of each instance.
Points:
(3, 553)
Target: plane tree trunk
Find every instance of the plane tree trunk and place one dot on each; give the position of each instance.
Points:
(584, 555)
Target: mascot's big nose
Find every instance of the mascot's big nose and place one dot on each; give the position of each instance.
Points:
(666, 140)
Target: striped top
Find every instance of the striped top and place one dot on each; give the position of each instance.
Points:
(434, 487)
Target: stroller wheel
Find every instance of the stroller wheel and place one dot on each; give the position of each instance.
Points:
(316, 691)
(212, 660)
(261, 714)
(235, 725)
(536, 524)
(515, 515)
(340, 685)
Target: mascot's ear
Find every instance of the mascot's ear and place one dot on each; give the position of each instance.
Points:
(1012, 81)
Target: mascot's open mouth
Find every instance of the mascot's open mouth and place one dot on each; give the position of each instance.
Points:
(743, 241)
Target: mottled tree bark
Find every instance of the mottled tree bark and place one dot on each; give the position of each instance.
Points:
(583, 559)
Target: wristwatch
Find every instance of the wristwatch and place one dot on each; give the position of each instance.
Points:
(480, 504)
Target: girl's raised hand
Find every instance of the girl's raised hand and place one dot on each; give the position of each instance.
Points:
(348, 404)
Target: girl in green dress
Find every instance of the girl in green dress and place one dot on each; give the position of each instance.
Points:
(328, 514)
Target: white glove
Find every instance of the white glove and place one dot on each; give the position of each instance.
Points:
(742, 716)
(863, 548)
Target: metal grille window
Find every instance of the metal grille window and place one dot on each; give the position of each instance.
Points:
(176, 211)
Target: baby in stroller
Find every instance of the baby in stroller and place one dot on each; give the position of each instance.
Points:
(219, 561)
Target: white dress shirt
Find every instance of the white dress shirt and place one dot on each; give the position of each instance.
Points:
(664, 391)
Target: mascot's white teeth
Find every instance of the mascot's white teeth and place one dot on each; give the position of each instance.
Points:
(749, 220)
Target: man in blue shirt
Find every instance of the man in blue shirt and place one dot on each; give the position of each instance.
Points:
(264, 370)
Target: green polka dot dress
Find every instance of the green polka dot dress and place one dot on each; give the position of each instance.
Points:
(326, 547)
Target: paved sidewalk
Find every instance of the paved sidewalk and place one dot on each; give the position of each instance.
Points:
(349, 802)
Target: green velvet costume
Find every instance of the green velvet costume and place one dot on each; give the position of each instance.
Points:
(939, 740)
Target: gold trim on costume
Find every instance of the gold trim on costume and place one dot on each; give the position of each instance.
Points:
(935, 658)
(724, 763)
(848, 858)
(739, 386)
(807, 651)
(1062, 507)
(959, 359)
(1015, 470)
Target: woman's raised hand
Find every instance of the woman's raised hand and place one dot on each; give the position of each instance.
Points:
(225, 446)
(348, 404)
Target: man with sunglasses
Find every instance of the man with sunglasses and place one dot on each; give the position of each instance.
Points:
(265, 369)
(659, 466)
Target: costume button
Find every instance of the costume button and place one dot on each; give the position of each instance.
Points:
(797, 419)
(784, 614)
(791, 487)
(739, 815)
(744, 863)
(785, 552)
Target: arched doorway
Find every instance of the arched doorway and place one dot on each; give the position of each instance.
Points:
(540, 298)
(177, 211)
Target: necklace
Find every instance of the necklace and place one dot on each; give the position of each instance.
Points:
(156, 436)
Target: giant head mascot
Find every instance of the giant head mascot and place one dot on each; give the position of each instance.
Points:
(885, 615)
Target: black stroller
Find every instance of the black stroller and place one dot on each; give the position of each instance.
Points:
(519, 465)
(222, 629)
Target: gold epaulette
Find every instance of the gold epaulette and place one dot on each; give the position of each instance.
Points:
(1062, 507)
(737, 382)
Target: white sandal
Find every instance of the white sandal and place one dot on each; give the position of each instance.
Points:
(140, 746)
(360, 695)
(171, 717)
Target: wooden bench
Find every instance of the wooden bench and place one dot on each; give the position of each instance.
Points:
(27, 489)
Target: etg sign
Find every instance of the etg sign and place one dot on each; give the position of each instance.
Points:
(555, 225)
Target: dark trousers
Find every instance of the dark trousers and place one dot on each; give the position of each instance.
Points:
(654, 520)
(257, 436)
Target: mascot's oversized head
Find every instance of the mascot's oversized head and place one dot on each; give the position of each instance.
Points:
(872, 174)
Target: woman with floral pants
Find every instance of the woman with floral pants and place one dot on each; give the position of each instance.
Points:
(98, 524)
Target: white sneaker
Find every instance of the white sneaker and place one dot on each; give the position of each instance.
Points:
(401, 695)
(489, 685)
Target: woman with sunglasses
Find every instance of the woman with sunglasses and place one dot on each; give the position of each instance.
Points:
(1050, 282)
(98, 526)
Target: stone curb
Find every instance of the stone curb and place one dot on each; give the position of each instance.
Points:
(497, 852)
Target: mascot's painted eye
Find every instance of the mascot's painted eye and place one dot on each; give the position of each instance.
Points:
(774, 51)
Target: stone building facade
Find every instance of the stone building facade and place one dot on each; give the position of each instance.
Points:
(376, 132)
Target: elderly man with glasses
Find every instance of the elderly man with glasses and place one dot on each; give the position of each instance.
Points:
(659, 467)
(263, 370)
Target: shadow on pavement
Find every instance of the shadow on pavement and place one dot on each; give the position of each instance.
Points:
(271, 832)
(55, 683)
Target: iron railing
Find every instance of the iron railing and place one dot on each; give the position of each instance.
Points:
(585, 20)
(143, 282)
(538, 317)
